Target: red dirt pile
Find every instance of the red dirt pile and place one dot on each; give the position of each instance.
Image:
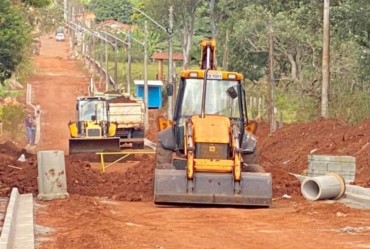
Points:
(284, 151)
(287, 150)
(135, 184)
(121, 99)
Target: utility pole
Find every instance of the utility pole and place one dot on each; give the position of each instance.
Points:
(65, 4)
(92, 56)
(170, 64)
(226, 52)
(115, 49)
(129, 53)
(101, 63)
(106, 65)
(271, 81)
(325, 61)
(129, 63)
(146, 76)
(115, 64)
(169, 31)
(72, 32)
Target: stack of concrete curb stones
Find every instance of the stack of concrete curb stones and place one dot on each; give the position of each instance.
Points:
(345, 166)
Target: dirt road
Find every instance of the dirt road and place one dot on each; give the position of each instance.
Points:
(56, 84)
(95, 222)
(82, 222)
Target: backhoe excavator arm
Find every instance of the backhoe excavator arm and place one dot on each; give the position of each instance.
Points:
(208, 55)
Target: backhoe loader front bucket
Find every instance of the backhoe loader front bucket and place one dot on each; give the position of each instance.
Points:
(172, 186)
(88, 145)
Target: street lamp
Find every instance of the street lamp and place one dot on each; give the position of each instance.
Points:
(169, 31)
(129, 53)
(122, 42)
(145, 45)
(77, 27)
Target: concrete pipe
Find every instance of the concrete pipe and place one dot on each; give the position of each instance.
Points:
(329, 186)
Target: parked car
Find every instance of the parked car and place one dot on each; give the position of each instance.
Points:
(59, 37)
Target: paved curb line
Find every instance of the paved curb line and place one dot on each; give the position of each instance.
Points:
(358, 194)
(18, 234)
(354, 193)
(7, 234)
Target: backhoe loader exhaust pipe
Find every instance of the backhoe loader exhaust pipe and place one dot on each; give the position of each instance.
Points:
(203, 110)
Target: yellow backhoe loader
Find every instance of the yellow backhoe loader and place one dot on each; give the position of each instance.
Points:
(207, 153)
(92, 131)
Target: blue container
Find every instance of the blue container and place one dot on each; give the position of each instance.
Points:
(154, 92)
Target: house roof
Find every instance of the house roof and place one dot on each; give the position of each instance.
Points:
(164, 56)
(89, 15)
(150, 82)
(113, 24)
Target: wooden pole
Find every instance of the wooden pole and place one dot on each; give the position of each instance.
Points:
(325, 61)
(170, 64)
(129, 63)
(146, 77)
(106, 65)
(271, 112)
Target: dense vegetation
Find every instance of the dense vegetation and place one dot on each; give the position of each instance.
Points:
(20, 24)
(241, 29)
(242, 26)
(21, 21)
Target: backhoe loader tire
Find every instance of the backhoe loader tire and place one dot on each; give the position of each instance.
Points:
(139, 145)
(251, 158)
(254, 168)
(163, 158)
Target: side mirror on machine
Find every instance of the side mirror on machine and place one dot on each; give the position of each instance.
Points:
(169, 89)
(232, 92)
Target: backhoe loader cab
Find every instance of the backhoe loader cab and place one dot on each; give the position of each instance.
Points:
(206, 155)
(92, 131)
(223, 97)
(92, 109)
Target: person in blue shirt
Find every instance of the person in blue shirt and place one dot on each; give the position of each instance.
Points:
(29, 125)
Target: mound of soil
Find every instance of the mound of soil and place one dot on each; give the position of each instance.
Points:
(121, 99)
(135, 184)
(282, 152)
(287, 150)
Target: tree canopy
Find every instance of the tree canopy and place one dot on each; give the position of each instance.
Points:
(241, 28)
(14, 36)
(111, 9)
(297, 41)
(18, 19)
(37, 3)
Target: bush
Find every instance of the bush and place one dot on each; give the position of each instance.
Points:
(13, 120)
(351, 107)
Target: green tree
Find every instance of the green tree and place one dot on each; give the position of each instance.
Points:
(185, 15)
(111, 9)
(37, 3)
(14, 37)
(12, 117)
(297, 28)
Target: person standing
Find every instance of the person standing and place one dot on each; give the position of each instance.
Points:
(33, 131)
(29, 124)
